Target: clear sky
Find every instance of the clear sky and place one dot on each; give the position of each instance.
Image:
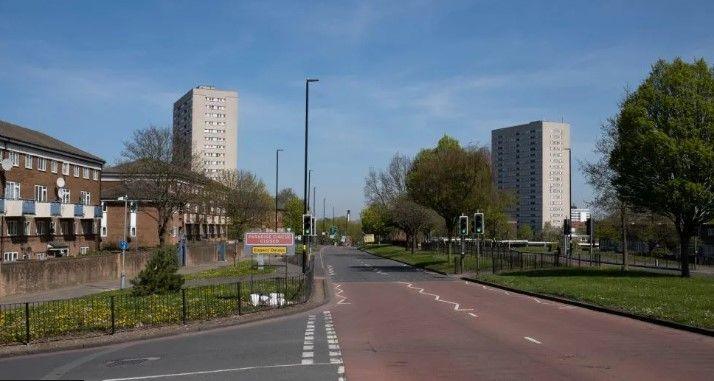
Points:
(394, 76)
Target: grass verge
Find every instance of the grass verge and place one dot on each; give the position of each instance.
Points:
(430, 260)
(682, 300)
(241, 268)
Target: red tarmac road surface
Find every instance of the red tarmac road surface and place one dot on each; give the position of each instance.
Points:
(393, 328)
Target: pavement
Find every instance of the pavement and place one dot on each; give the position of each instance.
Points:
(93, 287)
(389, 321)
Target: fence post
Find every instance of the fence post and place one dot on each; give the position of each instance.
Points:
(240, 297)
(183, 305)
(27, 323)
(111, 302)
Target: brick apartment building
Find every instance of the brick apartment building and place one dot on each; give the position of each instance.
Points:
(197, 222)
(50, 200)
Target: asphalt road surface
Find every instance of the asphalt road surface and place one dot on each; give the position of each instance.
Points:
(388, 321)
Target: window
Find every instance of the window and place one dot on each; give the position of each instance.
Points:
(12, 227)
(10, 256)
(41, 164)
(65, 169)
(83, 250)
(104, 231)
(76, 171)
(12, 190)
(85, 198)
(27, 230)
(66, 196)
(41, 227)
(40, 193)
(88, 226)
(15, 158)
(132, 231)
(28, 161)
(53, 166)
(95, 175)
(85, 173)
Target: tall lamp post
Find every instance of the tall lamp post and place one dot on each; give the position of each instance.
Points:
(122, 281)
(277, 163)
(570, 197)
(304, 193)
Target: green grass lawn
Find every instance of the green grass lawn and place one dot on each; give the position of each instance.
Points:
(426, 259)
(689, 301)
(239, 269)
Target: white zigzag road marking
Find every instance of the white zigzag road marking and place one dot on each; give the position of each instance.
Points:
(438, 298)
(339, 294)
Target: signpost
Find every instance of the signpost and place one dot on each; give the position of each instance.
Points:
(270, 243)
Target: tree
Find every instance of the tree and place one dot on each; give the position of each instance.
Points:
(452, 180)
(151, 174)
(292, 214)
(244, 197)
(159, 276)
(525, 232)
(663, 158)
(600, 175)
(385, 187)
(376, 220)
(411, 218)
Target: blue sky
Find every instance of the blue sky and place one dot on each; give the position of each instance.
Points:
(394, 76)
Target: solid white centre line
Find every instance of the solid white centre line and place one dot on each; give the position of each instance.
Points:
(532, 340)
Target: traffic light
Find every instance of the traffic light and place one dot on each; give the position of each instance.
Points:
(566, 226)
(313, 225)
(306, 224)
(589, 226)
(479, 227)
(463, 225)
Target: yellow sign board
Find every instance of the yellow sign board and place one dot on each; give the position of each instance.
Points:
(279, 250)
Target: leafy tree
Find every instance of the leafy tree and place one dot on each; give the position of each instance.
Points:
(663, 158)
(159, 276)
(411, 218)
(525, 232)
(452, 180)
(376, 220)
(292, 214)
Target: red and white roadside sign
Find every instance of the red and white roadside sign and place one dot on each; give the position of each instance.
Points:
(269, 243)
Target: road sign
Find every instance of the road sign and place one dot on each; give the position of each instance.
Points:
(123, 245)
(269, 243)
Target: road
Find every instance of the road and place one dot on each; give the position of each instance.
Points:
(388, 321)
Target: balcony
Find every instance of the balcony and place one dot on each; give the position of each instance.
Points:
(78, 210)
(98, 212)
(55, 209)
(28, 207)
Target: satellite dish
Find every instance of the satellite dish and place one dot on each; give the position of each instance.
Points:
(6, 164)
(60, 182)
(60, 192)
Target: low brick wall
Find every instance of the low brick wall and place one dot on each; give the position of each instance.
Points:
(33, 276)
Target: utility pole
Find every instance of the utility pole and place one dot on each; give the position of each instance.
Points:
(304, 194)
(277, 164)
(323, 214)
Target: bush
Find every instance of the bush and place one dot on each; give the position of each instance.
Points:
(160, 275)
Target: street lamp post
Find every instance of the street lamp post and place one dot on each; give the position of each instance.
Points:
(277, 163)
(304, 193)
(570, 198)
(122, 281)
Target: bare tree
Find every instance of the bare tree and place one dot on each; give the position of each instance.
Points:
(149, 174)
(385, 187)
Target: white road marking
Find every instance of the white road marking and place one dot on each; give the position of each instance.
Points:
(338, 294)
(532, 340)
(214, 371)
(473, 314)
(457, 306)
(308, 354)
(334, 348)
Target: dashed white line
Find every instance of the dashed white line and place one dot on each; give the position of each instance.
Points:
(532, 340)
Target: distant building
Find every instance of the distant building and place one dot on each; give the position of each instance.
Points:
(197, 221)
(531, 161)
(205, 127)
(50, 200)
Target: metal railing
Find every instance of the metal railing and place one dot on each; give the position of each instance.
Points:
(108, 314)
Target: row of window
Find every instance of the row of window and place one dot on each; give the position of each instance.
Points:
(48, 227)
(214, 154)
(41, 164)
(214, 146)
(213, 107)
(214, 131)
(214, 115)
(13, 192)
(214, 162)
(215, 99)
(214, 123)
(214, 139)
